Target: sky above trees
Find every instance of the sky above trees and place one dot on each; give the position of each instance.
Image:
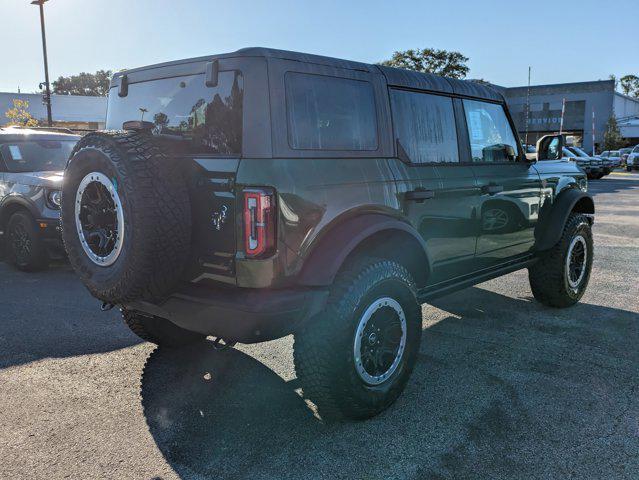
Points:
(571, 40)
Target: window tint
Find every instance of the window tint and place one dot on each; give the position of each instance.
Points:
(208, 119)
(425, 126)
(489, 132)
(328, 113)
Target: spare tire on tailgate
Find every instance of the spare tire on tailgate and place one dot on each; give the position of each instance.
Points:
(126, 218)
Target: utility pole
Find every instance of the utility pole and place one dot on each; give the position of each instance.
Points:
(47, 92)
(563, 112)
(527, 107)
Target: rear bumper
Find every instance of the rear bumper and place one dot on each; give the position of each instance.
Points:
(238, 314)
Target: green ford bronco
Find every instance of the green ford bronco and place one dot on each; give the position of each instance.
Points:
(262, 193)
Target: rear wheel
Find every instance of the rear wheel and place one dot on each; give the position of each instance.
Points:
(354, 359)
(25, 248)
(159, 331)
(560, 277)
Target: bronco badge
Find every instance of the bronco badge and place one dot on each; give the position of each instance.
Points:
(219, 218)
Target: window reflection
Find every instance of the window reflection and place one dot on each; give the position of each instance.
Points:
(209, 119)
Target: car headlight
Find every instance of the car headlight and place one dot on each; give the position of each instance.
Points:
(54, 199)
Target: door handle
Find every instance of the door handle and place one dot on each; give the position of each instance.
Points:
(492, 189)
(419, 195)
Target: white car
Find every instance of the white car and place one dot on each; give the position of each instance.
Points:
(632, 162)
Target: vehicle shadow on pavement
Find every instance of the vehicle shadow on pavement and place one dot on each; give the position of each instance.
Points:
(505, 388)
(49, 314)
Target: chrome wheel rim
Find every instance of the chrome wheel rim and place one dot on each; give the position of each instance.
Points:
(576, 259)
(380, 341)
(99, 219)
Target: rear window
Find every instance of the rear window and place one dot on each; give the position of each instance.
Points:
(208, 118)
(330, 113)
(36, 155)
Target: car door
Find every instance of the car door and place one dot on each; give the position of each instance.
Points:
(509, 186)
(437, 194)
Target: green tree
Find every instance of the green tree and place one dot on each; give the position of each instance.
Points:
(19, 114)
(430, 60)
(630, 85)
(96, 84)
(612, 136)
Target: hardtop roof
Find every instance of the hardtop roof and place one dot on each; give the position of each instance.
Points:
(394, 76)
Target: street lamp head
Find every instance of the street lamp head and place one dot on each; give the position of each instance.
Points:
(39, 2)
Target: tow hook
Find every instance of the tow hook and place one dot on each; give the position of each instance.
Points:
(105, 307)
(221, 344)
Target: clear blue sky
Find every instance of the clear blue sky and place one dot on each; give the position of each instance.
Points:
(563, 40)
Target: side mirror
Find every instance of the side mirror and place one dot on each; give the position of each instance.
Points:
(550, 147)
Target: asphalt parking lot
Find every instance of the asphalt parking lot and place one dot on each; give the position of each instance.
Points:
(504, 388)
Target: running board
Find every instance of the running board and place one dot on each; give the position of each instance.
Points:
(444, 288)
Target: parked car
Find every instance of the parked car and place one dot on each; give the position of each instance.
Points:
(625, 152)
(276, 192)
(31, 166)
(603, 165)
(632, 161)
(614, 156)
(590, 166)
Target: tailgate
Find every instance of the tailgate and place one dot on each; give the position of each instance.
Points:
(213, 210)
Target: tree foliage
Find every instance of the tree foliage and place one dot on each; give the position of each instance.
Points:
(19, 114)
(95, 84)
(612, 136)
(430, 60)
(630, 85)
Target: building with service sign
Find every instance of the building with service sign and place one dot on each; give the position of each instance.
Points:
(582, 99)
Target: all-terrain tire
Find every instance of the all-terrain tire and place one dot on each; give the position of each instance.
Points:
(24, 247)
(549, 277)
(160, 331)
(324, 350)
(156, 212)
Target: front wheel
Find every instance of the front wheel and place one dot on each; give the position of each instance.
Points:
(560, 276)
(25, 249)
(355, 358)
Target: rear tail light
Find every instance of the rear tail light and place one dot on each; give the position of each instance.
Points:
(259, 223)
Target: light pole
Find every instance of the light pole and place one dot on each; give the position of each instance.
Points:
(47, 94)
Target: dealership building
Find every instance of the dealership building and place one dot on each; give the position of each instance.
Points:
(70, 111)
(582, 99)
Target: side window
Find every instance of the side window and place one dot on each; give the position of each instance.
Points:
(330, 113)
(489, 132)
(425, 126)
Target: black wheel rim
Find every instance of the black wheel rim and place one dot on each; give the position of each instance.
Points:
(380, 341)
(21, 243)
(99, 218)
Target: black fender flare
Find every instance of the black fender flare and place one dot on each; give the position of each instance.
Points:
(332, 249)
(8, 205)
(551, 222)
